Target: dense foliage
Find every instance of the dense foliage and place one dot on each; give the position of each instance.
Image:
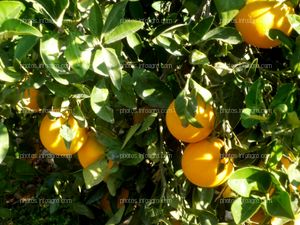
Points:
(116, 66)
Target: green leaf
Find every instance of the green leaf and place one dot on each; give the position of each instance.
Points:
(68, 135)
(293, 120)
(283, 38)
(198, 58)
(148, 121)
(225, 34)
(124, 156)
(248, 179)
(8, 74)
(203, 92)
(285, 95)
(169, 44)
(79, 116)
(113, 66)
(115, 16)
(135, 42)
(228, 9)
(192, 6)
(82, 209)
(279, 205)
(134, 158)
(24, 46)
(112, 184)
(78, 55)
(151, 89)
(295, 60)
(59, 90)
(186, 104)
(98, 64)
(54, 9)
(130, 133)
(294, 20)
(123, 30)
(200, 29)
(244, 208)
(13, 27)
(136, 9)
(126, 95)
(95, 21)
(53, 207)
(10, 10)
(5, 212)
(181, 103)
(85, 5)
(295, 2)
(275, 155)
(202, 198)
(116, 218)
(50, 53)
(23, 169)
(100, 102)
(249, 120)
(205, 217)
(4, 142)
(190, 111)
(153, 153)
(95, 173)
(254, 99)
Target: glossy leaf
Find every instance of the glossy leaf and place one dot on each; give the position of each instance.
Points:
(50, 52)
(95, 173)
(113, 66)
(248, 179)
(225, 34)
(95, 20)
(24, 46)
(55, 10)
(279, 205)
(4, 142)
(100, 102)
(151, 89)
(123, 30)
(10, 10)
(12, 27)
(243, 208)
(115, 16)
(228, 9)
(78, 55)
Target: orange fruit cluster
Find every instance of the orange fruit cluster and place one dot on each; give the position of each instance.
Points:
(202, 162)
(85, 144)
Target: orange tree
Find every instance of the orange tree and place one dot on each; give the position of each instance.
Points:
(192, 107)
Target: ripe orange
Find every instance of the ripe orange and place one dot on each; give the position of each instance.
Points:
(54, 142)
(285, 162)
(124, 194)
(31, 99)
(249, 1)
(176, 222)
(91, 151)
(258, 217)
(255, 20)
(204, 115)
(105, 204)
(201, 162)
